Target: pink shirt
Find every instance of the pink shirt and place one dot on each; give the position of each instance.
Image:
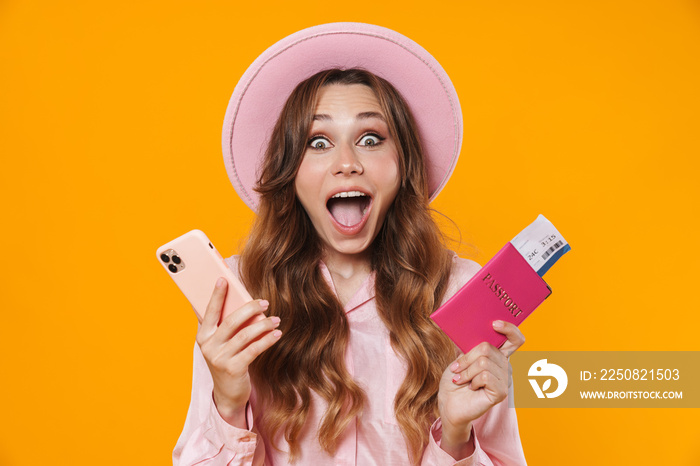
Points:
(373, 439)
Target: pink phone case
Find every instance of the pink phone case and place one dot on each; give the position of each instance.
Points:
(506, 288)
(198, 268)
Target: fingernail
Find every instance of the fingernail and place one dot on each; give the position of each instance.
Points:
(264, 303)
(497, 324)
(220, 283)
(454, 367)
(277, 333)
(456, 378)
(275, 320)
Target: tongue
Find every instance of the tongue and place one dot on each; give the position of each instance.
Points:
(347, 211)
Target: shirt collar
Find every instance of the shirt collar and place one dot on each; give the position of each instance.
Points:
(361, 296)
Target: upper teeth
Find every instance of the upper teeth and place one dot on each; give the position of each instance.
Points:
(349, 194)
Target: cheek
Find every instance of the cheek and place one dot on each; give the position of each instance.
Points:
(388, 180)
(306, 183)
(391, 176)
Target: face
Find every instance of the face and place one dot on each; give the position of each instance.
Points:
(349, 175)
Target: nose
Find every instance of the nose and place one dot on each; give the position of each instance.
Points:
(347, 161)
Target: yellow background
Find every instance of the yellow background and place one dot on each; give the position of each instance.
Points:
(110, 120)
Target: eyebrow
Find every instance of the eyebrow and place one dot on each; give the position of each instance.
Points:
(360, 116)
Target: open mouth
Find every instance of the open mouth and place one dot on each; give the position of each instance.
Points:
(348, 208)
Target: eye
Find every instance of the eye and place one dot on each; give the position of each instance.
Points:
(369, 140)
(319, 143)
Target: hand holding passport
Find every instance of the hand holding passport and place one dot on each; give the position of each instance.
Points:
(509, 287)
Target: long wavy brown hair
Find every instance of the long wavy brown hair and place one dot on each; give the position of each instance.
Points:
(280, 262)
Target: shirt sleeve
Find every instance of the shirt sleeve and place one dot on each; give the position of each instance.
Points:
(207, 439)
(434, 455)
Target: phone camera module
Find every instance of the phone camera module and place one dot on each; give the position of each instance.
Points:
(172, 261)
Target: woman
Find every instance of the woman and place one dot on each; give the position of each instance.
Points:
(347, 367)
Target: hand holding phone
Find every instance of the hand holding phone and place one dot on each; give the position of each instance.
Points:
(234, 329)
(230, 347)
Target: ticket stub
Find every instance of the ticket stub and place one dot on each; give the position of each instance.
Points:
(541, 245)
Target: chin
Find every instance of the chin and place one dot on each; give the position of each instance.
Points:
(351, 249)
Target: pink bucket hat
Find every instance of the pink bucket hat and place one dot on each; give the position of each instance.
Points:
(265, 86)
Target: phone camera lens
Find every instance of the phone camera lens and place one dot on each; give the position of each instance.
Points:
(172, 268)
(176, 259)
(164, 258)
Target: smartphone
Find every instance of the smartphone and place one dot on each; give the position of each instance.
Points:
(195, 265)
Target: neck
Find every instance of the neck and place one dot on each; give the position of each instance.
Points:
(347, 266)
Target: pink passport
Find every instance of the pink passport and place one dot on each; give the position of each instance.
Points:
(506, 288)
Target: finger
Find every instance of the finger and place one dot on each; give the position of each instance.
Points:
(494, 386)
(213, 313)
(515, 338)
(255, 349)
(250, 334)
(481, 365)
(510, 375)
(240, 318)
(482, 349)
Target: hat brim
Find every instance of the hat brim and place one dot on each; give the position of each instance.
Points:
(264, 88)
